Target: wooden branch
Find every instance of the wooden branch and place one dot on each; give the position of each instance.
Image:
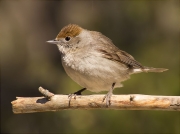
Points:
(53, 102)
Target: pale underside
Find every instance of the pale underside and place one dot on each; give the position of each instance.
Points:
(93, 74)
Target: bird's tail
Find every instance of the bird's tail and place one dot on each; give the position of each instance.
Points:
(149, 69)
(156, 70)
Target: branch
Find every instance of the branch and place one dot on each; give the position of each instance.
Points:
(53, 102)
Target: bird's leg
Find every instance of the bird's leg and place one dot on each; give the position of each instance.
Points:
(108, 96)
(75, 94)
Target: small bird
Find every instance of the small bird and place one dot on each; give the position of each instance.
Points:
(94, 62)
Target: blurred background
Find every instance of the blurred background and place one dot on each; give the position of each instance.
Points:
(148, 30)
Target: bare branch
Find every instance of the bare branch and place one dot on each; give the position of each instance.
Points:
(118, 102)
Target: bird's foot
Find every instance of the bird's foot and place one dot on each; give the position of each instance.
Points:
(73, 95)
(107, 97)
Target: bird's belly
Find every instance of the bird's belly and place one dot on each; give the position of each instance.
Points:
(96, 76)
(92, 83)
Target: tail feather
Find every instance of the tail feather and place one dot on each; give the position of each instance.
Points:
(156, 70)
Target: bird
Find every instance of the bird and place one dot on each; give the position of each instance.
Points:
(94, 62)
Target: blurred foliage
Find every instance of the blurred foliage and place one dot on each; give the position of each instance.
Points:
(149, 30)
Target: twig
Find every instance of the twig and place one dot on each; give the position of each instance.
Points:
(46, 93)
(118, 102)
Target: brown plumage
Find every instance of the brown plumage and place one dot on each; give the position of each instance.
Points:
(122, 57)
(71, 30)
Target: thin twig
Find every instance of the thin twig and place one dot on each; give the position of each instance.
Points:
(46, 93)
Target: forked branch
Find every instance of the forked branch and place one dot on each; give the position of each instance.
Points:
(53, 102)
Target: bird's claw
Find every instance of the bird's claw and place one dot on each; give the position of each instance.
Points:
(108, 99)
(70, 96)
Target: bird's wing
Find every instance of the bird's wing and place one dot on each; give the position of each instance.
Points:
(120, 56)
(111, 52)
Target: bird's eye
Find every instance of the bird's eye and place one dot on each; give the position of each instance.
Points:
(67, 38)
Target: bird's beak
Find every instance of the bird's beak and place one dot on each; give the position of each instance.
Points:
(53, 41)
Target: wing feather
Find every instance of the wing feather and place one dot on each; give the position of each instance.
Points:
(122, 57)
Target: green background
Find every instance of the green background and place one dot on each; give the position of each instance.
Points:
(148, 30)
